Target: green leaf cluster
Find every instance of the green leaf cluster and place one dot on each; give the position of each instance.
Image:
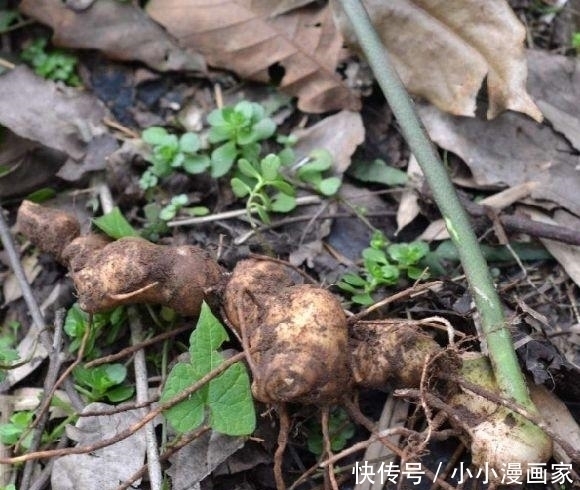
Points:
(238, 131)
(340, 430)
(103, 382)
(383, 264)
(17, 427)
(8, 354)
(104, 329)
(169, 152)
(264, 187)
(313, 169)
(226, 400)
(52, 65)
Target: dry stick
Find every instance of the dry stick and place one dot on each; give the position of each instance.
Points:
(359, 417)
(133, 428)
(142, 389)
(44, 476)
(136, 347)
(415, 289)
(49, 383)
(328, 446)
(184, 441)
(125, 407)
(283, 432)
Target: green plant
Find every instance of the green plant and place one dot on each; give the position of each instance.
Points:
(114, 224)
(239, 129)
(17, 427)
(105, 381)
(104, 329)
(52, 65)
(169, 152)
(227, 399)
(256, 183)
(340, 430)
(382, 266)
(312, 170)
(8, 354)
(576, 41)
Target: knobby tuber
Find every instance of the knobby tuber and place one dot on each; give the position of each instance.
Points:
(297, 333)
(130, 270)
(300, 348)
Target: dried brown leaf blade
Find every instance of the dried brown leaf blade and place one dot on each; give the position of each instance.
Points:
(245, 37)
(119, 29)
(443, 51)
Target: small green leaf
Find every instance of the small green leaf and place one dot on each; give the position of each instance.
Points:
(119, 394)
(389, 274)
(354, 279)
(239, 188)
(378, 171)
(263, 129)
(188, 414)
(283, 203)
(41, 195)
(408, 253)
(270, 166)
(168, 212)
(115, 225)
(189, 143)
(262, 213)
(284, 187)
(375, 255)
(329, 186)
(222, 159)
(197, 211)
(155, 135)
(248, 169)
(363, 299)
(195, 164)
(208, 336)
(230, 402)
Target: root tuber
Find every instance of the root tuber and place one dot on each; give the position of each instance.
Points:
(130, 270)
(298, 333)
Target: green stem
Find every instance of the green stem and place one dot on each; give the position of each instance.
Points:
(501, 352)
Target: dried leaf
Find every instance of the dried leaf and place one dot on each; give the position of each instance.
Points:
(61, 118)
(245, 37)
(106, 467)
(11, 286)
(554, 82)
(119, 29)
(443, 51)
(510, 150)
(340, 134)
(409, 205)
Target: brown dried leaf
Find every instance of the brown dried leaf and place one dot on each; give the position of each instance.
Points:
(444, 50)
(245, 37)
(119, 29)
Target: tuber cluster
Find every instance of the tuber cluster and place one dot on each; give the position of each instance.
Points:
(299, 345)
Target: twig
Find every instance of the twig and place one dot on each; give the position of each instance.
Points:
(235, 213)
(49, 383)
(133, 428)
(127, 351)
(184, 441)
(142, 389)
(40, 482)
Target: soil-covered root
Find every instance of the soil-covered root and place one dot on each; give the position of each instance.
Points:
(131, 270)
(51, 230)
(297, 335)
(385, 354)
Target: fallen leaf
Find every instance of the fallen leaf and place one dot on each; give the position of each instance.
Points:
(340, 134)
(121, 30)
(244, 36)
(61, 118)
(409, 207)
(554, 82)
(106, 467)
(11, 286)
(567, 255)
(509, 151)
(443, 51)
(199, 458)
